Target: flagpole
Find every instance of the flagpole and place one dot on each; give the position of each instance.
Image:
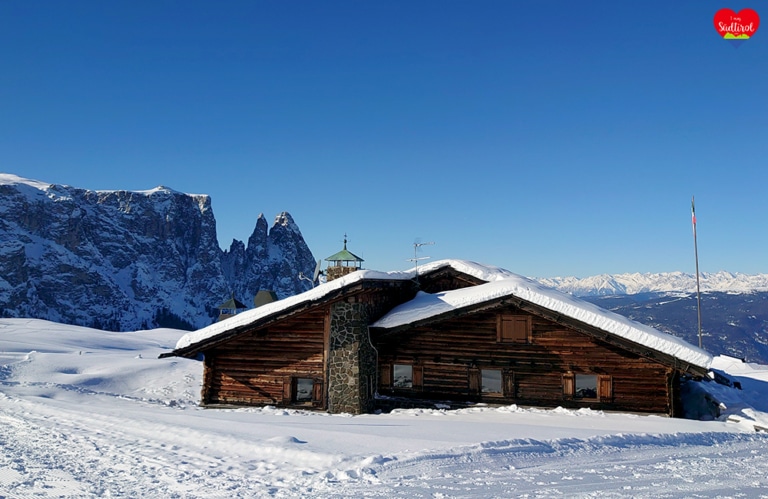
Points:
(696, 253)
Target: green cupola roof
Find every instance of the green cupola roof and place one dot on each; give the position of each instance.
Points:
(344, 255)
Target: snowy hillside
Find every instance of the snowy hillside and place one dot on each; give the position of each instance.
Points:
(636, 283)
(87, 413)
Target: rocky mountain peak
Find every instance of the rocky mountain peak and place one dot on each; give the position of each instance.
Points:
(285, 219)
(132, 259)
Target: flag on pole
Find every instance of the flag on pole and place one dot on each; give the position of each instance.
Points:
(696, 253)
(693, 213)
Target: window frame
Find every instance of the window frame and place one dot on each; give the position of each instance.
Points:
(296, 382)
(291, 387)
(405, 386)
(475, 383)
(500, 391)
(583, 386)
(603, 389)
(387, 377)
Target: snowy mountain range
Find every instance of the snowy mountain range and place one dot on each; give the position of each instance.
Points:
(123, 260)
(664, 282)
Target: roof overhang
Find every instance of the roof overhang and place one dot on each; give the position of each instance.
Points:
(558, 318)
(300, 306)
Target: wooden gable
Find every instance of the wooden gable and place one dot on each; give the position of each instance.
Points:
(473, 357)
(446, 279)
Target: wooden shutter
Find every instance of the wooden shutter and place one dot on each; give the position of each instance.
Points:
(287, 390)
(514, 328)
(317, 392)
(418, 377)
(385, 376)
(569, 385)
(474, 381)
(604, 388)
(508, 384)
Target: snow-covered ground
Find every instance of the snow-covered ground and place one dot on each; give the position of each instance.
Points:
(87, 413)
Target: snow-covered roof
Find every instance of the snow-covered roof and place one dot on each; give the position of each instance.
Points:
(426, 305)
(498, 284)
(315, 294)
(482, 272)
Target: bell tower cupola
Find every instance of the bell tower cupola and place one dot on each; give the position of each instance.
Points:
(342, 263)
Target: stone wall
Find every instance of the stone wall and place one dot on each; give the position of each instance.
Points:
(351, 360)
(337, 271)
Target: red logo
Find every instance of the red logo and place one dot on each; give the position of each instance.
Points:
(736, 27)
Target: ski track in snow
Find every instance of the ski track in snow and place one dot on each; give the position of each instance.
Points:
(652, 466)
(56, 453)
(93, 457)
(96, 455)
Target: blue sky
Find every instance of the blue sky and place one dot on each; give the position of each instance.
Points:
(549, 138)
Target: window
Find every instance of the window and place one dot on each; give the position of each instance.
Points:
(585, 387)
(513, 328)
(491, 381)
(588, 387)
(403, 376)
(303, 390)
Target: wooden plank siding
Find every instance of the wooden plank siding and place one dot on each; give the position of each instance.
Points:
(258, 366)
(451, 354)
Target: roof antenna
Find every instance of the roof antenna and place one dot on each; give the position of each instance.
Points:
(416, 245)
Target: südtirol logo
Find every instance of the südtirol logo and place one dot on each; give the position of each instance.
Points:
(736, 27)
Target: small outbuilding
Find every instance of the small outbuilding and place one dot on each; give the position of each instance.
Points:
(230, 308)
(461, 333)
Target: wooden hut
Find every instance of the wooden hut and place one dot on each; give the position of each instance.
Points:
(469, 333)
(230, 308)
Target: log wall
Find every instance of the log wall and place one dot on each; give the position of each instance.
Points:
(451, 354)
(257, 367)
(260, 366)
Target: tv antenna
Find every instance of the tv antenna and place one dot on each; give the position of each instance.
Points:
(416, 247)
